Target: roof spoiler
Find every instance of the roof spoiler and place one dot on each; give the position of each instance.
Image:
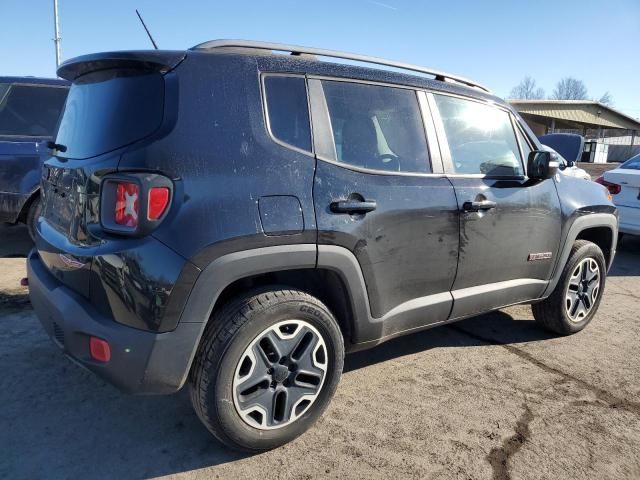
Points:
(161, 61)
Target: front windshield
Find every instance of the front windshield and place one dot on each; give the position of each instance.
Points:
(632, 164)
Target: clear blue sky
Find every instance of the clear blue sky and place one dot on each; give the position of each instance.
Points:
(496, 42)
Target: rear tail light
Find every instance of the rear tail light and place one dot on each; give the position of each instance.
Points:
(613, 188)
(127, 206)
(157, 202)
(134, 203)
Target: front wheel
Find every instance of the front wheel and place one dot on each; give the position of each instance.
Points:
(35, 209)
(266, 369)
(577, 296)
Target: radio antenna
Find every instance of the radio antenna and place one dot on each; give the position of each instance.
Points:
(147, 30)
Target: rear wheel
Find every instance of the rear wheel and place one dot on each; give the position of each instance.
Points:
(266, 369)
(32, 217)
(576, 298)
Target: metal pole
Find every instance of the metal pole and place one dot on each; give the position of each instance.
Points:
(56, 30)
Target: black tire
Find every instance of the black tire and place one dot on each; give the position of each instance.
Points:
(230, 334)
(552, 313)
(32, 217)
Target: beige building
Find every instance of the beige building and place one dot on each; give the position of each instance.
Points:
(592, 120)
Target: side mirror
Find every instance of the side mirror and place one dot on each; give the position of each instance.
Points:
(541, 165)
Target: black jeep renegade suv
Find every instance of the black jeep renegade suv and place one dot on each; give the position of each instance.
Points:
(236, 219)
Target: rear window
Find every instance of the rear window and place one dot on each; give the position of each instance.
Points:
(632, 164)
(30, 110)
(288, 112)
(377, 127)
(109, 109)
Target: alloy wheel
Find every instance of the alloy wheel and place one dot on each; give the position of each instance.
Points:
(280, 374)
(582, 291)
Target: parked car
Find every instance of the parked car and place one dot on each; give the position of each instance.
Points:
(237, 219)
(29, 112)
(624, 185)
(565, 167)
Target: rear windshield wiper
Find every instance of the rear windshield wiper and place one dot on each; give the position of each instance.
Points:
(57, 146)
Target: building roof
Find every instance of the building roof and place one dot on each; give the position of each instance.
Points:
(579, 111)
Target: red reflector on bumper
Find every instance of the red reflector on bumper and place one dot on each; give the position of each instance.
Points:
(99, 349)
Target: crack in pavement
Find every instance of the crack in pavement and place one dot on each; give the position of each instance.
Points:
(603, 395)
(498, 458)
(624, 294)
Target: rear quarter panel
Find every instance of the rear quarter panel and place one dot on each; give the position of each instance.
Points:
(222, 162)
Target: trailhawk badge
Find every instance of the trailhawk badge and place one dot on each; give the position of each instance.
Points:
(534, 257)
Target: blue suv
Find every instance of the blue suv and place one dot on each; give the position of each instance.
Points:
(29, 112)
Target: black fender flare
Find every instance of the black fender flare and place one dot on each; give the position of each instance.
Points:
(219, 274)
(579, 225)
(366, 330)
(223, 271)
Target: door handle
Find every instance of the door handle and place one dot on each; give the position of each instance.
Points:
(353, 206)
(478, 206)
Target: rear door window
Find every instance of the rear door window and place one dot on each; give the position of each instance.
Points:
(30, 110)
(109, 109)
(481, 138)
(377, 127)
(288, 110)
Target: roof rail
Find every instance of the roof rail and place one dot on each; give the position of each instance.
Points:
(298, 50)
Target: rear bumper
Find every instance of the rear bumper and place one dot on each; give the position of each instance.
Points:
(141, 361)
(629, 219)
(11, 205)
(629, 229)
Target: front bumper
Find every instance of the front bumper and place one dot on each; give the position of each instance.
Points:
(141, 361)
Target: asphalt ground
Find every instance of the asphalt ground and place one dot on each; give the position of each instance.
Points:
(492, 397)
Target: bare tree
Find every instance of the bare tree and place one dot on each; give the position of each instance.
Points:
(606, 99)
(526, 90)
(570, 89)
